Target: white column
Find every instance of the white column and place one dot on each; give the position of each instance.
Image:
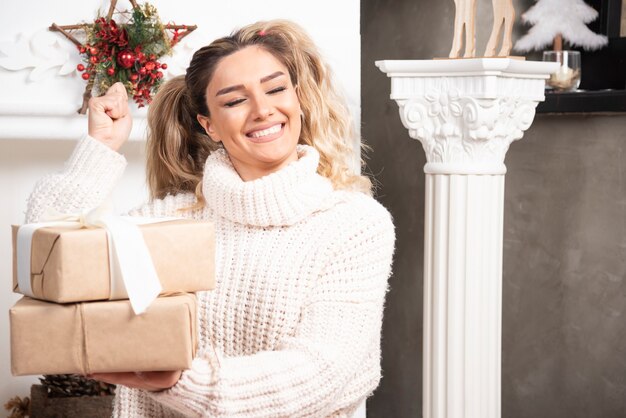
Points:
(465, 113)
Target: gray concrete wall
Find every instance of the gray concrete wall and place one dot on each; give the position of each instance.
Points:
(564, 286)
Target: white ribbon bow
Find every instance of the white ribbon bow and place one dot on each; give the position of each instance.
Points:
(132, 272)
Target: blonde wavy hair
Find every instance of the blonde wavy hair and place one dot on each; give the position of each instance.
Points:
(178, 146)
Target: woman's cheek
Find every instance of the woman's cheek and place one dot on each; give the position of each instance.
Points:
(236, 118)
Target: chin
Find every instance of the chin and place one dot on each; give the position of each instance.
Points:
(275, 152)
(274, 156)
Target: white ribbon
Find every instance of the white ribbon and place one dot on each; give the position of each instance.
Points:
(132, 272)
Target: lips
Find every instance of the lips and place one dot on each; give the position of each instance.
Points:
(266, 133)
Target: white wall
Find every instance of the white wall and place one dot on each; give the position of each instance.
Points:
(38, 124)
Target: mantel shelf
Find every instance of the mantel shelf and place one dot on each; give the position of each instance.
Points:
(54, 121)
(584, 102)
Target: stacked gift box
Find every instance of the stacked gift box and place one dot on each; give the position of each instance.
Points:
(70, 325)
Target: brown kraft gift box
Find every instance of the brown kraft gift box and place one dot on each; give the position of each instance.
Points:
(93, 337)
(72, 265)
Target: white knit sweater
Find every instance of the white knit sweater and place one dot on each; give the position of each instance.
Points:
(293, 327)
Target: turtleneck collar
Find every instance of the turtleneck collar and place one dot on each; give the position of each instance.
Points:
(284, 197)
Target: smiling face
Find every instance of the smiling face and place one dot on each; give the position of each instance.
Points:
(254, 111)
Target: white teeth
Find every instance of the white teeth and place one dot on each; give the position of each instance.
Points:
(265, 132)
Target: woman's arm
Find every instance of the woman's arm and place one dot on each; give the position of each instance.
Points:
(332, 361)
(95, 165)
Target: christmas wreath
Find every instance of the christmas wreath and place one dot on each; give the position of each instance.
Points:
(127, 52)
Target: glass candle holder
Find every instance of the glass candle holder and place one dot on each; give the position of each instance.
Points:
(567, 78)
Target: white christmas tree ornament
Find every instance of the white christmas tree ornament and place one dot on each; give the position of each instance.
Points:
(553, 19)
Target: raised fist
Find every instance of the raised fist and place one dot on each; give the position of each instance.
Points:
(109, 117)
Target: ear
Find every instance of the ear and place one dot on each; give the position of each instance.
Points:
(208, 127)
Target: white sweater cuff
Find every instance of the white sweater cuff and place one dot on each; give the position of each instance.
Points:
(93, 156)
(196, 392)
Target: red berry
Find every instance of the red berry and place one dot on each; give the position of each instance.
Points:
(134, 77)
(82, 49)
(93, 59)
(150, 65)
(111, 71)
(152, 57)
(142, 71)
(85, 76)
(80, 67)
(93, 50)
(153, 75)
(164, 66)
(159, 74)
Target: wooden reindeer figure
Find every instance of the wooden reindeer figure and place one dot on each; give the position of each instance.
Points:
(464, 24)
(503, 17)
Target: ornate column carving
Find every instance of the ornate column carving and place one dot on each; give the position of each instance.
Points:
(465, 113)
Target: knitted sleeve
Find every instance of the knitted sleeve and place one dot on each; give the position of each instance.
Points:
(86, 180)
(333, 360)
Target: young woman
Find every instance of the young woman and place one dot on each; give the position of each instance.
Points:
(256, 139)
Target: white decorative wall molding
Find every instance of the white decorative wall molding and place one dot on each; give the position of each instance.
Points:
(465, 113)
(46, 58)
(39, 53)
(43, 58)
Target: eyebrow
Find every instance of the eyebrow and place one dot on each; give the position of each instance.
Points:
(241, 87)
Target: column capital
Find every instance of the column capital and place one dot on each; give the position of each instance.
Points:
(466, 113)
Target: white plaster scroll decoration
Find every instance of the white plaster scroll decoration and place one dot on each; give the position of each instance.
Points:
(462, 133)
(40, 52)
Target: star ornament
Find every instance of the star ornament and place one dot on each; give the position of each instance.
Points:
(126, 50)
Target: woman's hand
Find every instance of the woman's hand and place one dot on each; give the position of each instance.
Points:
(152, 381)
(109, 117)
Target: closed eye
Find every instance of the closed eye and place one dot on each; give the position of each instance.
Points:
(277, 90)
(234, 102)
(238, 101)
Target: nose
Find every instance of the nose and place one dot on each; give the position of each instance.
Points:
(261, 106)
